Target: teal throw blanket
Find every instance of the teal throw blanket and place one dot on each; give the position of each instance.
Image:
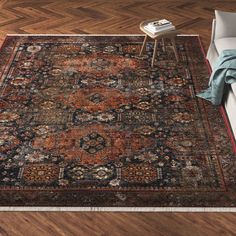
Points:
(224, 72)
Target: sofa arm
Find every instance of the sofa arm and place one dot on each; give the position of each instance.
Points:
(212, 53)
(213, 30)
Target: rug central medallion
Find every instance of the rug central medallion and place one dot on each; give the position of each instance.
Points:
(96, 98)
(92, 143)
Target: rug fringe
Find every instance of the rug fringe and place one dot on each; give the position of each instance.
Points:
(91, 34)
(76, 34)
(123, 209)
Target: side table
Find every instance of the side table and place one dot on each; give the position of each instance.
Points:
(157, 37)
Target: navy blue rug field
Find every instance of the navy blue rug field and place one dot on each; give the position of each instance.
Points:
(86, 122)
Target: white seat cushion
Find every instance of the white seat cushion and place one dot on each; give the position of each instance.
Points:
(230, 107)
(225, 43)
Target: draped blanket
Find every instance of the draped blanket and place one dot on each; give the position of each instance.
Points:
(224, 72)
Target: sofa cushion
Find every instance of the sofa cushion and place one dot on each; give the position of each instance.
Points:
(225, 43)
(230, 107)
(225, 24)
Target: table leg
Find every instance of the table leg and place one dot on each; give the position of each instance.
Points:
(154, 52)
(144, 45)
(163, 45)
(175, 49)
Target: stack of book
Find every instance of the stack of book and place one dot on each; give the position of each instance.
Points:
(159, 26)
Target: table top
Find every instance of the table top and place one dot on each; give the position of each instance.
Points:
(164, 34)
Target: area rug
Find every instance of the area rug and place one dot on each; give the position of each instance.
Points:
(86, 122)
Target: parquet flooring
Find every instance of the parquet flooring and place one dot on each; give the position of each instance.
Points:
(107, 16)
(116, 224)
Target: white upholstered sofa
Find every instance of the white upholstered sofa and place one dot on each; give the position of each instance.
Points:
(224, 37)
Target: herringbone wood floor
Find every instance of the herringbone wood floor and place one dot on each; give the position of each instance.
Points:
(110, 16)
(106, 16)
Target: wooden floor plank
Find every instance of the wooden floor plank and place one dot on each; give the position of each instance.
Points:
(121, 16)
(74, 223)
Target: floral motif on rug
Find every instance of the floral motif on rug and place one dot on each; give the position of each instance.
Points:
(85, 121)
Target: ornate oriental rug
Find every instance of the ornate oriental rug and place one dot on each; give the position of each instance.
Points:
(86, 122)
